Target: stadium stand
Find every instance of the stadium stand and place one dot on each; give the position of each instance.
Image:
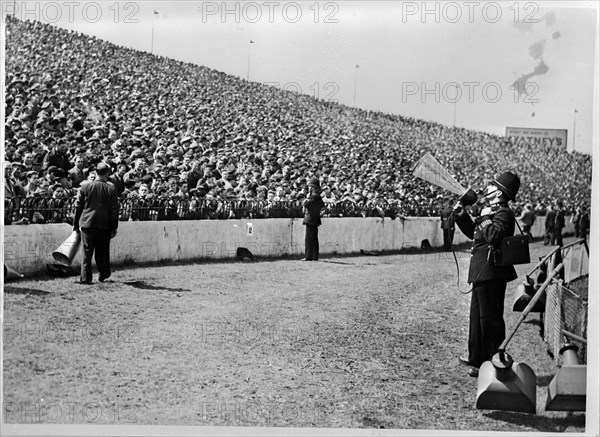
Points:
(174, 131)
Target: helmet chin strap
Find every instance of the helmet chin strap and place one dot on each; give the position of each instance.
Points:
(494, 200)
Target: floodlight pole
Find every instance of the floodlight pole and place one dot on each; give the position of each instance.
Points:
(574, 135)
(454, 119)
(458, 89)
(152, 41)
(355, 75)
(249, 50)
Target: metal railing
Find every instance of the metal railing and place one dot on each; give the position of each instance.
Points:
(43, 210)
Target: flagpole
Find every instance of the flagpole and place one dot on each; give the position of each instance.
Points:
(454, 119)
(152, 42)
(248, 71)
(574, 118)
(355, 74)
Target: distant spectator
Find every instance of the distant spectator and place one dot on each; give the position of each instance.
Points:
(12, 187)
(527, 219)
(77, 174)
(559, 224)
(117, 178)
(137, 172)
(576, 221)
(549, 237)
(584, 223)
(33, 182)
(57, 157)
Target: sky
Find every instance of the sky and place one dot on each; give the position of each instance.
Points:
(482, 65)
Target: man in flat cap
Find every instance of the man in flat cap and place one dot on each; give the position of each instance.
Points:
(33, 182)
(57, 157)
(97, 220)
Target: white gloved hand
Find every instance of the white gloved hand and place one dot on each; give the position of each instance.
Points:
(458, 209)
(486, 211)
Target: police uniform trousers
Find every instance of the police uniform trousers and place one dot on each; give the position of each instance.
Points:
(311, 243)
(95, 242)
(557, 236)
(486, 327)
(448, 237)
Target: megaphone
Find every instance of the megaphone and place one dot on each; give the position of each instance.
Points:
(567, 390)
(468, 197)
(11, 274)
(65, 253)
(430, 170)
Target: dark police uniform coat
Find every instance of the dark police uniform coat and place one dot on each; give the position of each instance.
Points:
(486, 231)
(313, 206)
(312, 221)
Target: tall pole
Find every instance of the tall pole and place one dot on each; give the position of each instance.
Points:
(14, 7)
(355, 75)
(153, 21)
(249, 49)
(574, 134)
(458, 90)
(454, 119)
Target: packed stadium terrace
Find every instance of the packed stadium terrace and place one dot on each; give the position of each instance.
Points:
(174, 130)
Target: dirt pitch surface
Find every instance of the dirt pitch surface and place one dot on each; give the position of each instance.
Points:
(346, 342)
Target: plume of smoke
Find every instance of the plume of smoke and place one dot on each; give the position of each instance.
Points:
(540, 69)
(527, 26)
(549, 18)
(520, 85)
(536, 50)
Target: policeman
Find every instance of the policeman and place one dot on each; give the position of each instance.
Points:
(312, 220)
(496, 221)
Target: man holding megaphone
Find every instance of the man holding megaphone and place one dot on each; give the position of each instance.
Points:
(496, 221)
(97, 220)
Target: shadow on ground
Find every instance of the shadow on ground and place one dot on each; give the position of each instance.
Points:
(26, 291)
(544, 380)
(145, 286)
(541, 423)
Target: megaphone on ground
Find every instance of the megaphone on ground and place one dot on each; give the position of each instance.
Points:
(11, 274)
(65, 253)
(567, 390)
(430, 170)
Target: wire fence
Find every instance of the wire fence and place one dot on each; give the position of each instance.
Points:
(567, 301)
(42, 210)
(565, 310)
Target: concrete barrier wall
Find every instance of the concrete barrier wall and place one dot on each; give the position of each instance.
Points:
(28, 248)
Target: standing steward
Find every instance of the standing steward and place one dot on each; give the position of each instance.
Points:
(559, 224)
(527, 218)
(549, 226)
(496, 221)
(447, 225)
(97, 219)
(312, 220)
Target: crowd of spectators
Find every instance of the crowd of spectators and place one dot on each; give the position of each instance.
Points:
(175, 131)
